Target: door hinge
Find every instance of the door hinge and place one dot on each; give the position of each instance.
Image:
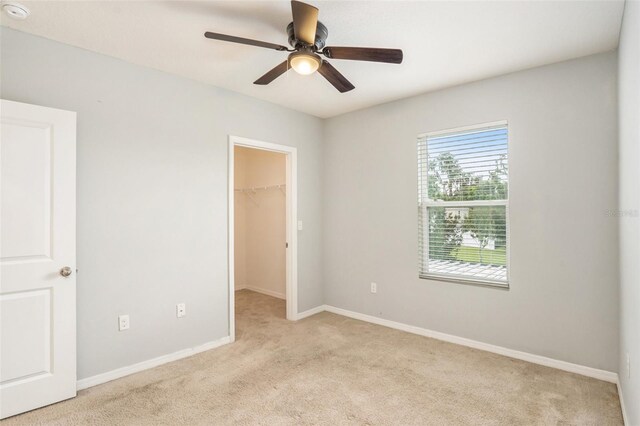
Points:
(286, 245)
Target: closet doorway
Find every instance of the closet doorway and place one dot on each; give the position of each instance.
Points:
(262, 222)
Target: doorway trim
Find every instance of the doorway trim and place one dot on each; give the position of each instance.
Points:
(291, 224)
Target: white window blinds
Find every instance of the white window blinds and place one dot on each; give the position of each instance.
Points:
(463, 204)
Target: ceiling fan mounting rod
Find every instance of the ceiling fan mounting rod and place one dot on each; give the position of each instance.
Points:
(321, 37)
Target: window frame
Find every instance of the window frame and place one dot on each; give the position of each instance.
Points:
(423, 208)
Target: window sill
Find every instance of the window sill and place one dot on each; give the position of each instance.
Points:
(471, 281)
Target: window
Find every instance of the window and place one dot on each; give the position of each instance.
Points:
(463, 204)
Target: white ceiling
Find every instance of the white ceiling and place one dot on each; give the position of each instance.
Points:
(444, 43)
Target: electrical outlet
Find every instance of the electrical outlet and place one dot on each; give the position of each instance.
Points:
(374, 288)
(628, 366)
(123, 322)
(181, 310)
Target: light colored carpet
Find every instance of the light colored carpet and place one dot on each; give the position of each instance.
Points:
(328, 369)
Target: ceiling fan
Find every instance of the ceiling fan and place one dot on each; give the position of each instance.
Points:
(307, 36)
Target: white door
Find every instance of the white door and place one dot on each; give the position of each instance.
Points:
(37, 256)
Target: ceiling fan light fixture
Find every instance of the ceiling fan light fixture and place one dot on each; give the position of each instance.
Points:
(304, 63)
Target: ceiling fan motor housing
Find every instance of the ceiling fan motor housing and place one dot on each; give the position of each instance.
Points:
(321, 36)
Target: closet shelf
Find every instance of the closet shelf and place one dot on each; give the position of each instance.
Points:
(250, 192)
(261, 188)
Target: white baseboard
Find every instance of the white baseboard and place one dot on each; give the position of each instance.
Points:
(145, 365)
(310, 312)
(238, 287)
(607, 376)
(267, 292)
(624, 411)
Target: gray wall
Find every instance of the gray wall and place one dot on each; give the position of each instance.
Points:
(152, 194)
(629, 93)
(563, 300)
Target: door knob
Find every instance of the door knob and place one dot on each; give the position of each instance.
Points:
(66, 271)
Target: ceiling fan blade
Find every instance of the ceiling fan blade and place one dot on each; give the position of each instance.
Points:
(392, 56)
(233, 39)
(335, 78)
(273, 74)
(305, 21)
